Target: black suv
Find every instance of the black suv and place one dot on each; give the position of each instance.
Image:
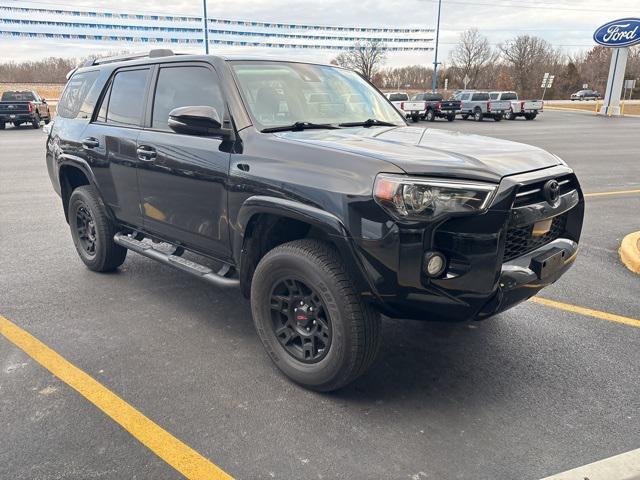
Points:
(316, 198)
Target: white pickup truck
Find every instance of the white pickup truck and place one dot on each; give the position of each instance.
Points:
(529, 109)
(398, 99)
(479, 105)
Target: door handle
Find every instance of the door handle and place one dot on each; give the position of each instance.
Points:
(90, 142)
(146, 153)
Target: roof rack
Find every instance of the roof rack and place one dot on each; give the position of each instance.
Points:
(156, 53)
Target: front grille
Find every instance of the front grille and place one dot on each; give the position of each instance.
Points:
(520, 240)
(534, 192)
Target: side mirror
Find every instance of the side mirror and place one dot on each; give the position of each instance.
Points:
(43, 100)
(197, 120)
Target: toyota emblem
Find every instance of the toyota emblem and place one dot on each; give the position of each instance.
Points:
(551, 192)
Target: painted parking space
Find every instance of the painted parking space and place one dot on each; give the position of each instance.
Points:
(535, 391)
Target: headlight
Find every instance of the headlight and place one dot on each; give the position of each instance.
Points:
(419, 199)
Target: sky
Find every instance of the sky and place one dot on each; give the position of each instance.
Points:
(567, 24)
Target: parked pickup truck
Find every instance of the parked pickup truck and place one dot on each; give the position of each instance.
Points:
(323, 210)
(479, 105)
(430, 106)
(23, 107)
(529, 109)
(398, 99)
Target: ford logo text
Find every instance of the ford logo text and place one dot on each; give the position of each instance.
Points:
(619, 33)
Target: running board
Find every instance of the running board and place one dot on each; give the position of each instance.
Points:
(176, 261)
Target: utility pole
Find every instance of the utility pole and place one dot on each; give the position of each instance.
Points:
(434, 80)
(206, 28)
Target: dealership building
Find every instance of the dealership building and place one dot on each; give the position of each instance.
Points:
(22, 21)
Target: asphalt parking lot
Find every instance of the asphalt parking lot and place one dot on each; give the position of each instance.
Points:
(529, 393)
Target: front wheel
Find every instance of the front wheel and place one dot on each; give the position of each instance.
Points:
(92, 231)
(465, 116)
(478, 115)
(312, 322)
(497, 117)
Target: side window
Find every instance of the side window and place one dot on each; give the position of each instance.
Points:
(185, 86)
(494, 96)
(127, 98)
(75, 93)
(465, 96)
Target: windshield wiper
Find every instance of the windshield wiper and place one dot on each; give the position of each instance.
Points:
(299, 126)
(370, 122)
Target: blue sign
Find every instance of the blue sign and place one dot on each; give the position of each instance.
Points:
(619, 33)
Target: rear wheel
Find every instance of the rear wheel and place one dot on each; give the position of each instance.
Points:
(530, 116)
(415, 118)
(465, 116)
(430, 116)
(478, 115)
(36, 121)
(497, 117)
(451, 117)
(510, 116)
(313, 324)
(92, 231)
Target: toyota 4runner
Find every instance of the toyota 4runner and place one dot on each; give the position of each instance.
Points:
(317, 200)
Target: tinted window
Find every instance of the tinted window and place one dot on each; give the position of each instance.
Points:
(126, 102)
(398, 97)
(418, 97)
(509, 96)
(75, 93)
(479, 97)
(182, 87)
(434, 97)
(17, 97)
(494, 96)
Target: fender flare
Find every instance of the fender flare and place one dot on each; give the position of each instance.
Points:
(65, 160)
(331, 225)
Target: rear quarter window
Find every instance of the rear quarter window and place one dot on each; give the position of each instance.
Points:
(75, 94)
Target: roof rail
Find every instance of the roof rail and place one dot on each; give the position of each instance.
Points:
(156, 53)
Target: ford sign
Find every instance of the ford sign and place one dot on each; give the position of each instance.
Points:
(619, 33)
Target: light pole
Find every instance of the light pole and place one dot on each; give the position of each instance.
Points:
(206, 28)
(434, 80)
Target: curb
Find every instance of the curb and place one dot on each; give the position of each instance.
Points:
(582, 110)
(630, 252)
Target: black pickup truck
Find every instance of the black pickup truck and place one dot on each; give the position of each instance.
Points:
(429, 106)
(313, 196)
(23, 107)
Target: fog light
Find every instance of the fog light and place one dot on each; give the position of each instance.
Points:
(434, 264)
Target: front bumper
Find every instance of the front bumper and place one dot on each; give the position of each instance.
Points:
(488, 269)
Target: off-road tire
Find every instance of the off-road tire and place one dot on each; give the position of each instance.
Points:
(355, 325)
(108, 255)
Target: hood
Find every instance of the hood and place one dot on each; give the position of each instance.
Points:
(427, 151)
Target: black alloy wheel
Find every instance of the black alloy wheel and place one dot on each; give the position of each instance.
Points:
(86, 230)
(300, 321)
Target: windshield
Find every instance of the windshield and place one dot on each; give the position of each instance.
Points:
(279, 94)
(17, 97)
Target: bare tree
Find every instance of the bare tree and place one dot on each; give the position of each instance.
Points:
(472, 53)
(527, 57)
(365, 58)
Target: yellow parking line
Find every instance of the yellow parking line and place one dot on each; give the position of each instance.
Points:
(180, 456)
(587, 311)
(618, 192)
